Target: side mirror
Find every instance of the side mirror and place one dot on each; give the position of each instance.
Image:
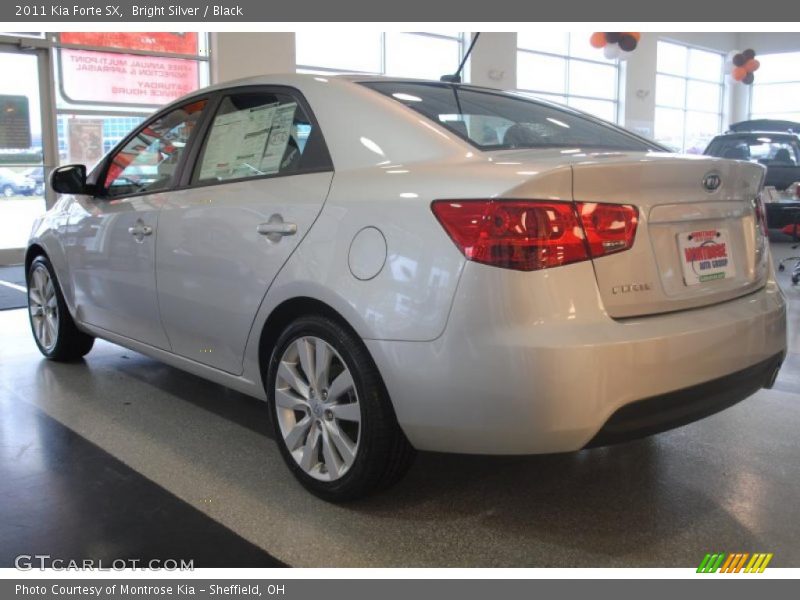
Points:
(69, 179)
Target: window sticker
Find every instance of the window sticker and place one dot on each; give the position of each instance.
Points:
(279, 137)
(248, 143)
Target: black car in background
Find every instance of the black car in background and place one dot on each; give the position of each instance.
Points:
(776, 145)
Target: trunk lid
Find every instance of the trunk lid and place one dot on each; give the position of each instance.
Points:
(698, 240)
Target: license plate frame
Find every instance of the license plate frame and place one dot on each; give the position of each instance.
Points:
(705, 256)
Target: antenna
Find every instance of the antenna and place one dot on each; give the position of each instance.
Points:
(456, 77)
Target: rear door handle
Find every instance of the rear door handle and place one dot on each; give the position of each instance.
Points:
(276, 228)
(139, 230)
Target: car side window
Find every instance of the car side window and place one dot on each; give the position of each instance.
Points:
(147, 163)
(256, 134)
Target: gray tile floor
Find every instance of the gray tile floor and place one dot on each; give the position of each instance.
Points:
(728, 483)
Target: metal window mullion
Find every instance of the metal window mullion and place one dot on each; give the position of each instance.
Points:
(554, 55)
(383, 53)
(439, 36)
(89, 112)
(47, 103)
(334, 70)
(705, 112)
(579, 96)
(685, 98)
(130, 51)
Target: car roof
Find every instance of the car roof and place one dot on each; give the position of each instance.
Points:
(755, 134)
(305, 80)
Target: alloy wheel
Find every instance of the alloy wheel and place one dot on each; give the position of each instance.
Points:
(43, 307)
(317, 408)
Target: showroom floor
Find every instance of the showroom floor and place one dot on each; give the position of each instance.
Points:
(122, 456)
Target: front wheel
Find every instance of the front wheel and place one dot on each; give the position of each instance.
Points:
(8, 191)
(53, 329)
(334, 423)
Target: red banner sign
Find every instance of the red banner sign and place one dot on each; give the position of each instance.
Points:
(162, 41)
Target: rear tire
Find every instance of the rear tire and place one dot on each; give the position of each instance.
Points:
(52, 326)
(335, 427)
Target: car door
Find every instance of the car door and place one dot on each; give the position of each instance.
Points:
(112, 236)
(259, 181)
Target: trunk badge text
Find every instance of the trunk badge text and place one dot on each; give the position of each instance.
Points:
(712, 181)
(631, 287)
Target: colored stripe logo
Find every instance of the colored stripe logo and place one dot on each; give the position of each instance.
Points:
(740, 562)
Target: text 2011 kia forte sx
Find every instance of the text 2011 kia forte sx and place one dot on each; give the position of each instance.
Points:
(403, 264)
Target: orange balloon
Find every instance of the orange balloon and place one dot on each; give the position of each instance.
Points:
(752, 65)
(598, 40)
(636, 35)
(739, 73)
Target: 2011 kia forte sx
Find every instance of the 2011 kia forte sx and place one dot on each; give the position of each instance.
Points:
(397, 264)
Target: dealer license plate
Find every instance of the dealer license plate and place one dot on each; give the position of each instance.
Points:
(705, 255)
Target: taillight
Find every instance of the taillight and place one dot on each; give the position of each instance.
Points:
(609, 227)
(761, 214)
(528, 235)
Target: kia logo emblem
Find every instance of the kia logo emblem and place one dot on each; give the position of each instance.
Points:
(712, 181)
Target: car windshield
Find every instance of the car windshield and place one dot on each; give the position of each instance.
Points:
(498, 121)
(764, 148)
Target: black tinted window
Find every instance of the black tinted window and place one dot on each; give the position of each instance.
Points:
(495, 120)
(765, 148)
(256, 134)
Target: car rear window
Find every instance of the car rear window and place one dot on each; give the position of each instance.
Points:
(498, 121)
(769, 150)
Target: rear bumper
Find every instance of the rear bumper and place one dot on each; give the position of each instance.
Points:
(531, 363)
(667, 411)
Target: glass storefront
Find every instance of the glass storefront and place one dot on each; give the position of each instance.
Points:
(21, 160)
(95, 88)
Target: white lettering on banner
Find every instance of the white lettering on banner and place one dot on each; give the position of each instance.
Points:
(108, 77)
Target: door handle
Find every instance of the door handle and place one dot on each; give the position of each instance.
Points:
(276, 228)
(140, 230)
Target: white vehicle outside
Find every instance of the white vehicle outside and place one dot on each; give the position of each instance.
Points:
(397, 265)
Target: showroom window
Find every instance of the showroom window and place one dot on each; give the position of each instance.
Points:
(565, 68)
(108, 82)
(776, 90)
(690, 93)
(425, 55)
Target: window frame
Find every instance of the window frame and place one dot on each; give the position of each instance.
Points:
(189, 161)
(462, 40)
(686, 79)
(567, 58)
(654, 146)
(202, 58)
(769, 115)
(98, 176)
(195, 152)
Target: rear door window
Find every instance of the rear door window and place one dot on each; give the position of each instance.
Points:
(260, 134)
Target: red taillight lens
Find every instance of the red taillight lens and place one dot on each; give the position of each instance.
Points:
(528, 235)
(609, 227)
